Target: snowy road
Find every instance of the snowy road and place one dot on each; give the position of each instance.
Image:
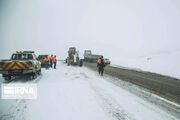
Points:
(165, 86)
(74, 93)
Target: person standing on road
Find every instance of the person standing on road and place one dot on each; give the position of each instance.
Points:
(101, 64)
(54, 61)
(46, 60)
(51, 61)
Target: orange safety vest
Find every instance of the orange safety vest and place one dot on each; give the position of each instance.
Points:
(51, 57)
(46, 59)
(99, 61)
(54, 59)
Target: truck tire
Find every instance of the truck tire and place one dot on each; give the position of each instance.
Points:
(8, 77)
(81, 63)
(33, 76)
(39, 72)
(4, 75)
(30, 77)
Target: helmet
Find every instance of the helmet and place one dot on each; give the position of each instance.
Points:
(101, 57)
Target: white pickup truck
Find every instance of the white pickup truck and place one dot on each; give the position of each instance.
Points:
(21, 63)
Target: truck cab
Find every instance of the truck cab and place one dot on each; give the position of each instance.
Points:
(89, 57)
(21, 63)
(87, 52)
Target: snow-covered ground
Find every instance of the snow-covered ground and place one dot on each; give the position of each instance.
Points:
(165, 63)
(74, 93)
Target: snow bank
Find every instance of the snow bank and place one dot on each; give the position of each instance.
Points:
(166, 63)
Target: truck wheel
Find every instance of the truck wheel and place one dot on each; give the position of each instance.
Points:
(8, 77)
(30, 77)
(81, 63)
(39, 72)
(4, 75)
(34, 75)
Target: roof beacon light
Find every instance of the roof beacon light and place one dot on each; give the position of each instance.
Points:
(24, 51)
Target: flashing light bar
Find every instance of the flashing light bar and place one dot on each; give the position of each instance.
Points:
(24, 51)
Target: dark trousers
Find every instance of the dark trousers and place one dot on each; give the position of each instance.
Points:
(101, 70)
(51, 62)
(47, 64)
(54, 65)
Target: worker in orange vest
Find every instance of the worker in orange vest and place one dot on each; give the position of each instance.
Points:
(101, 64)
(51, 60)
(54, 61)
(46, 60)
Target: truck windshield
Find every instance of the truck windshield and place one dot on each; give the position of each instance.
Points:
(22, 57)
(88, 52)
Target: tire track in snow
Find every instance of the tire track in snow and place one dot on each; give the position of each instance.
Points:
(110, 106)
(107, 102)
(16, 112)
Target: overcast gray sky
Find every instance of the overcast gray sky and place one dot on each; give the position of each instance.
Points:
(115, 28)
